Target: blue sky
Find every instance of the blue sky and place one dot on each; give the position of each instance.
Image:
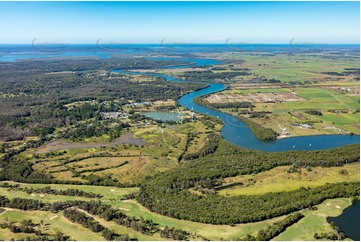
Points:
(182, 22)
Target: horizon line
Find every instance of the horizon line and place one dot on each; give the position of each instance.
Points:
(178, 44)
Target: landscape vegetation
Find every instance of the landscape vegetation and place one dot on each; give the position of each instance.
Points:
(80, 160)
(179, 121)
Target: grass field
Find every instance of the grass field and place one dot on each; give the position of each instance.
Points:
(320, 99)
(296, 67)
(314, 221)
(306, 76)
(277, 179)
(213, 232)
(52, 224)
(112, 196)
(124, 162)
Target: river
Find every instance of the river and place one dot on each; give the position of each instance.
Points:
(237, 132)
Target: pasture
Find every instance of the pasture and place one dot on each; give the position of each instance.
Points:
(278, 179)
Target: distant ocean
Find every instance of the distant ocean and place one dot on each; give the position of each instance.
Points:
(16, 52)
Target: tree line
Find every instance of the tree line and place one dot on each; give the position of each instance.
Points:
(89, 222)
(275, 229)
(167, 193)
(96, 208)
(209, 146)
(259, 131)
(49, 190)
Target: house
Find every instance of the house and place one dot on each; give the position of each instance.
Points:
(306, 126)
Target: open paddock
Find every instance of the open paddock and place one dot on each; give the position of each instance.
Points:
(255, 95)
(98, 162)
(278, 179)
(129, 169)
(126, 138)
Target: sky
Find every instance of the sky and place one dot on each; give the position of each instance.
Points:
(180, 22)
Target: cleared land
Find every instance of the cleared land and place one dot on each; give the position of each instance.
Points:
(302, 82)
(145, 150)
(278, 179)
(52, 223)
(288, 107)
(315, 221)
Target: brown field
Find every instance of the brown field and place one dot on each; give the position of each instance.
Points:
(125, 173)
(98, 162)
(66, 176)
(347, 90)
(126, 138)
(266, 97)
(197, 143)
(46, 165)
(246, 86)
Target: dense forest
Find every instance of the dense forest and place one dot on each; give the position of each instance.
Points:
(34, 97)
(168, 194)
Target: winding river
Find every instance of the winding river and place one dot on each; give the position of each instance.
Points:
(238, 133)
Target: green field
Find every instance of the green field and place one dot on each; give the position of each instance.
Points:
(319, 99)
(52, 224)
(339, 111)
(277, 179)
(315, 221)
(113, 195)
(296, 67)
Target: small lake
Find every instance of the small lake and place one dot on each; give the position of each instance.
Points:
(349, 221)
(163, 116)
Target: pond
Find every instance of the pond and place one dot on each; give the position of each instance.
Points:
(163, 116)
(349, 221)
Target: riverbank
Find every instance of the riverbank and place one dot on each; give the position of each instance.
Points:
(238, 133)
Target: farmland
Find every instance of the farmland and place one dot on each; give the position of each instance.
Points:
(339, 111)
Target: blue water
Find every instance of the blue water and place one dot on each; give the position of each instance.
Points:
(16, 56)
(234, 130)
(349, 221)
(239, 134)
(163, 116)
(17, 52)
